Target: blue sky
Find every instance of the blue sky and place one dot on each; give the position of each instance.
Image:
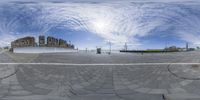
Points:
(145, 24)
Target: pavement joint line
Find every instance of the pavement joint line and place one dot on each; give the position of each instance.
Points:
(98, 64)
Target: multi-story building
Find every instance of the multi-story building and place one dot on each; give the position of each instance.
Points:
(51, 42)
(56, 42)
(24, 42)
(62, 43)
(41, 41)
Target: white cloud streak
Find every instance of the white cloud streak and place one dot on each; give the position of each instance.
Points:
(118, 22)
(121, 21)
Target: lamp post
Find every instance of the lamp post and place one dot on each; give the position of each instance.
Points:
(109, 47)
(125, 46)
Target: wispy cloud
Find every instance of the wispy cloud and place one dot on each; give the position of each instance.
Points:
(118, 22)
(125, 21)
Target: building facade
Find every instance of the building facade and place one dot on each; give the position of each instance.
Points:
(24, 42)
(41, 41)
(51, 42)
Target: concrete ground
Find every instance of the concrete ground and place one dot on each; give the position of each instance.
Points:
(89, 76)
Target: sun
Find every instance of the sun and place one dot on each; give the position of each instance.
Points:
(100, 26)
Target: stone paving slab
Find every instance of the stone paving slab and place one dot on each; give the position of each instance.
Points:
(182, 96)
(139, 82)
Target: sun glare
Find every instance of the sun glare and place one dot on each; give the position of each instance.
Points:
(100, 26)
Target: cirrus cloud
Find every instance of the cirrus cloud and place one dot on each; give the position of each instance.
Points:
(118, 22)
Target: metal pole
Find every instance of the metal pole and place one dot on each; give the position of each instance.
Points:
(125, 46)
(110, 47)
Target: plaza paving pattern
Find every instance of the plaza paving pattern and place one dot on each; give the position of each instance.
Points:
(100, 82)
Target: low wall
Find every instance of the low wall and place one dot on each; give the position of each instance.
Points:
(42, 50)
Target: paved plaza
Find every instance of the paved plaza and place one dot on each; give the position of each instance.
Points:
(90, 76)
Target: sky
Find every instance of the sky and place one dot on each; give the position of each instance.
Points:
(147, 24)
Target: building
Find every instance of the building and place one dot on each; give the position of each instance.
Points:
(56, 42)
(62, 43)
(51, 42)
(41, 41)
(24, 42)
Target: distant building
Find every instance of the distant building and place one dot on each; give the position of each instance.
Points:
(191, 49)
(24, 42)
(41, 41)
(51, 42)
(172, 49)
(56, 42)
(62, 43)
